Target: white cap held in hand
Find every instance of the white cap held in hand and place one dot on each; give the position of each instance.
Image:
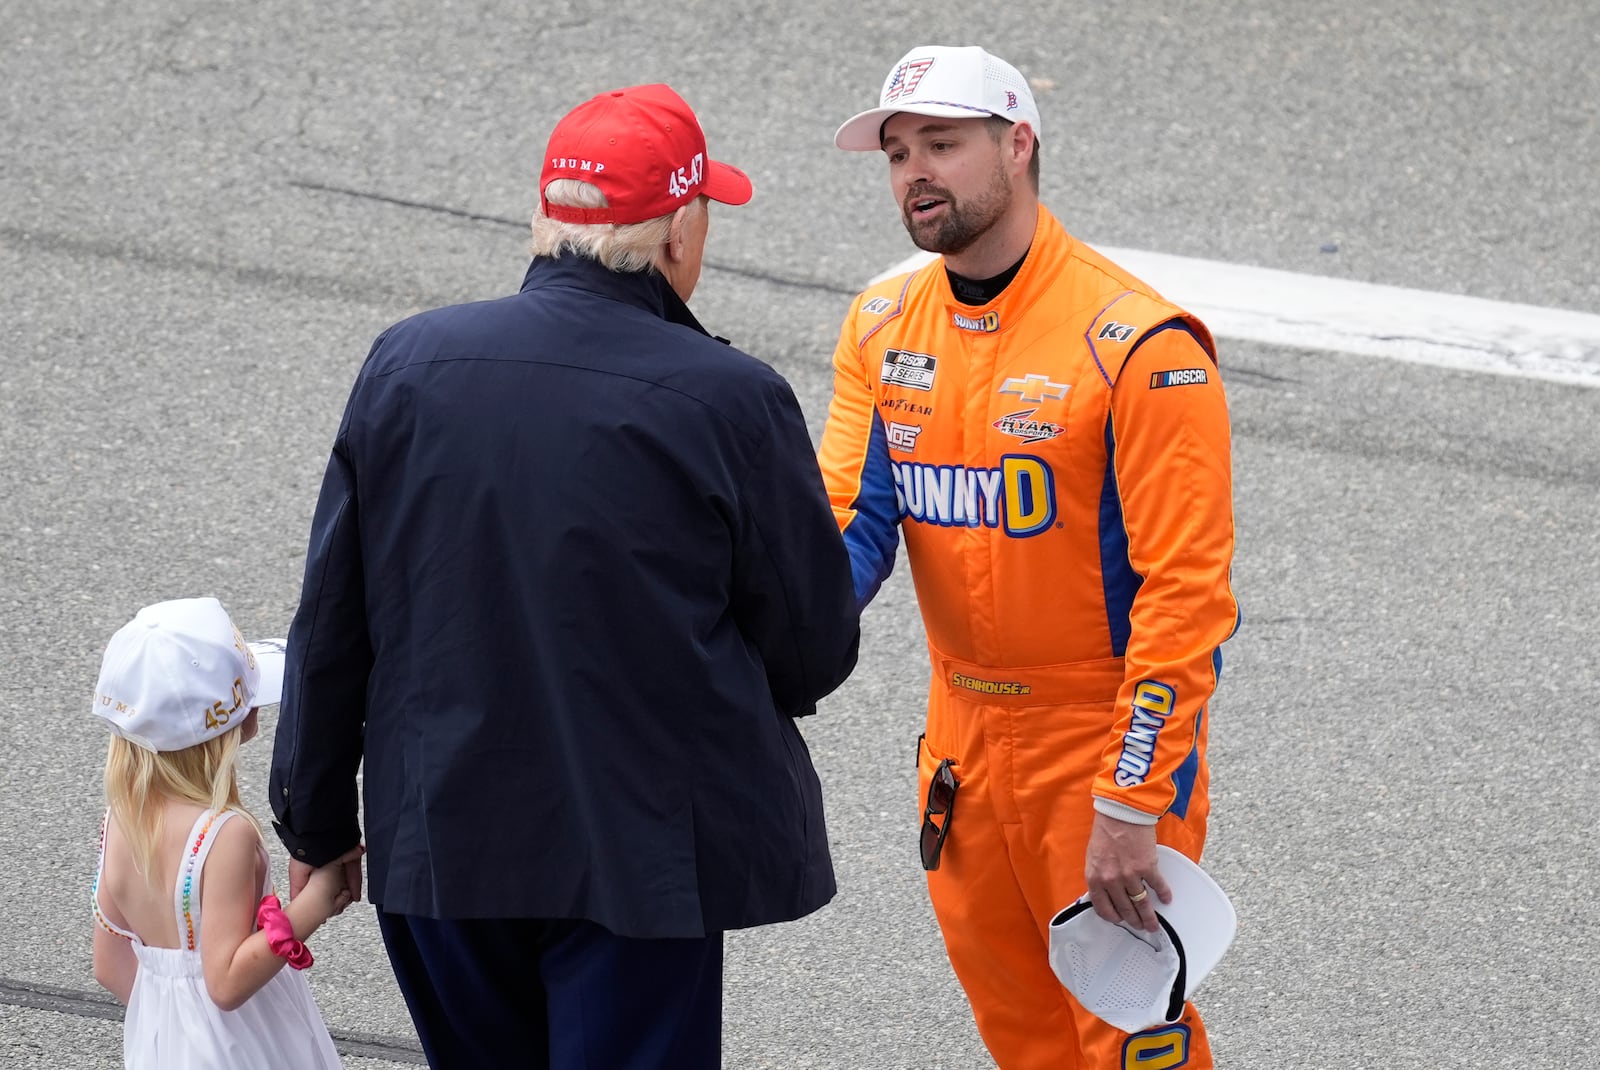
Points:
(1133, 979)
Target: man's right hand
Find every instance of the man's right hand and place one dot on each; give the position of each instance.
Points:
(300, 872)
(1121, 871)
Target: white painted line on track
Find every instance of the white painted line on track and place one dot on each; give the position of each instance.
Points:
(1418, 326)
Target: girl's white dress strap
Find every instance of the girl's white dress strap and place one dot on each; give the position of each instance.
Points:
(94, 893)
(186, 889)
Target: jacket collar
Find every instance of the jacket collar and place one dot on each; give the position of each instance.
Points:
(643, 289)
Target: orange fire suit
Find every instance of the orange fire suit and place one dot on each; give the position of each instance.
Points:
(1058, 462)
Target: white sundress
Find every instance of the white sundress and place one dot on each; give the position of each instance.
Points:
(171, 1022)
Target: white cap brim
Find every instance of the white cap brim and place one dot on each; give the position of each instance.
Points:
(1199, 911)
(859, 133)
(270, 655)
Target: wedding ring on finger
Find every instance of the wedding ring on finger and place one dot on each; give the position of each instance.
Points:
(1144, 893)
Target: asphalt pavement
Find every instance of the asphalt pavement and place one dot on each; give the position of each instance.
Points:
(208, 211)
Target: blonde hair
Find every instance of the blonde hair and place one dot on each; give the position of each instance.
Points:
(625, 247)
(138, 781)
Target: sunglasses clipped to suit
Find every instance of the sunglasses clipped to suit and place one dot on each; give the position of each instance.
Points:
(941, 803)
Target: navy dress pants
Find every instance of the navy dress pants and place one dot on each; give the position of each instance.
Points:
(556, 995)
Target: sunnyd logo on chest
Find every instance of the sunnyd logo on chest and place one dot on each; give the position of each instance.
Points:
(904, 368)
(1019, 497)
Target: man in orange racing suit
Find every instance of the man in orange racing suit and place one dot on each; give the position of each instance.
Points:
(1052, 437)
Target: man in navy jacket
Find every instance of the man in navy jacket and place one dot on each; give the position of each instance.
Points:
(572, 575)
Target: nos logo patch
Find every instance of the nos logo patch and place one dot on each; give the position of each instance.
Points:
(903, 437)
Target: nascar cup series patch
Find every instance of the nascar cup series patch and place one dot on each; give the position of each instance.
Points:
(914, 370)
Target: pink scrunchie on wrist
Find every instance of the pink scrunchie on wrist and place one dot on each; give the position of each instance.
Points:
(271, 919)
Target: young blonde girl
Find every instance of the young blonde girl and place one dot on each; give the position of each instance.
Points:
(179, 689)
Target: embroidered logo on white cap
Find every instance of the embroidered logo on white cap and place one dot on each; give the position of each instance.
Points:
(904, 79)
(952, 83)
(1132, 979)
(180, 673)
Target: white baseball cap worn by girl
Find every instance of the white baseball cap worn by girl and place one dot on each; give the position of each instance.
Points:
(948, 83)
(180, 673)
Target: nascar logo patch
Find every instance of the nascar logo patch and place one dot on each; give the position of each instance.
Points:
(1180, 377)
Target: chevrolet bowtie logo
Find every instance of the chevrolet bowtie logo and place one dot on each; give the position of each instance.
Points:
(1035, 388)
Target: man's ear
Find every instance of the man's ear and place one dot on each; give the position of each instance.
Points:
(674, 246)
(1022, 139)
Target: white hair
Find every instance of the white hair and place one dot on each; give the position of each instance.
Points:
(618, 246)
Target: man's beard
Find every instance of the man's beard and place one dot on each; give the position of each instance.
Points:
(964, 222)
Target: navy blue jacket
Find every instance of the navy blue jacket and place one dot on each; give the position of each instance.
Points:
(571, 576)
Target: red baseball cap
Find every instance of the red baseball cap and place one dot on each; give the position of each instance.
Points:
(644, 148)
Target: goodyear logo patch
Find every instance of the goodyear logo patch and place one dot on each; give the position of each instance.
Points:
(1018, 497)
(902, 367)
(1153, 703)
(989, 687)
(1180, 377)
(873, 306)
(905, 405)
(988, 323)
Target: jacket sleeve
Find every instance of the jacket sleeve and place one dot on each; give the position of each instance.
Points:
(856, 470)
(318, 746)
(792, 593)
(1168, 432)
